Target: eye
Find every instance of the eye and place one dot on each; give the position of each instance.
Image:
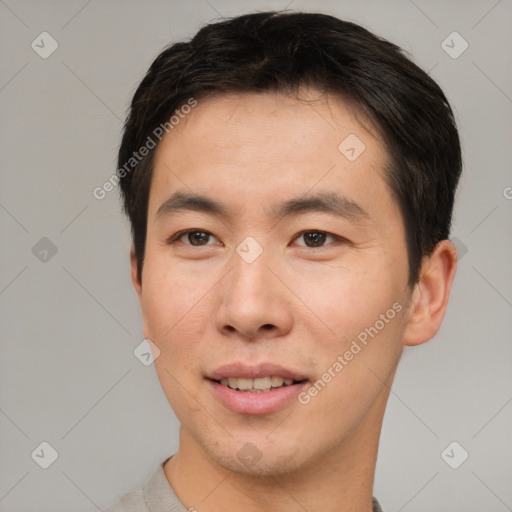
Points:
(194, 237)
(316, 238)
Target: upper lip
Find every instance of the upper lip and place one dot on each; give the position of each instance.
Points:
(254, 371)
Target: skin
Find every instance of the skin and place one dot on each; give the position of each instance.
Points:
(301, 307)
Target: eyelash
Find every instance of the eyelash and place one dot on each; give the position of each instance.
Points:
(176, 238)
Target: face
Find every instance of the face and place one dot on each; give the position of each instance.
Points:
(275, 260)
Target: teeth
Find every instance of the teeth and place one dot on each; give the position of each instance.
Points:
(276, 381)
(260, 384)
(244, 384)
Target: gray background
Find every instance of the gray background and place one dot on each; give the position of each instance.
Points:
(69, 324)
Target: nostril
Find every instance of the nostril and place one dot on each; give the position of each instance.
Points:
(268, 326)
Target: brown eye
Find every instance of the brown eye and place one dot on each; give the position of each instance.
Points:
(195, 238)
(314, 238)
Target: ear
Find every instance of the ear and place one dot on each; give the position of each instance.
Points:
(136, 280)
(431, 293)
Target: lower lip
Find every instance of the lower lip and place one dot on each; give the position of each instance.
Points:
(257, 403)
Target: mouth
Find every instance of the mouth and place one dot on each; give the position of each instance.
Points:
(257, 385)
(262, 389)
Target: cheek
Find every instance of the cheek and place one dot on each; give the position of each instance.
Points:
(347, 300)
(362, 346)
(176, 308)
(353, 365)
(175, 315)
(173, 299)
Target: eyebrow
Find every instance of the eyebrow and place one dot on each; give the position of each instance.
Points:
(325, 202)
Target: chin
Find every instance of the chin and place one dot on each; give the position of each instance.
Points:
(273, 465)
(258, 457)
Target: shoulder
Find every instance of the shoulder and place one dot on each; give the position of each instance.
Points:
(155, 495)
(132, 501)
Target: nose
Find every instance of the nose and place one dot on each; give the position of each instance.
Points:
(254, 303)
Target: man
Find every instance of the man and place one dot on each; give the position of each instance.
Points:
(289, 179)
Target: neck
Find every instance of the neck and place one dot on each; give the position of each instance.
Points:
(340, 480)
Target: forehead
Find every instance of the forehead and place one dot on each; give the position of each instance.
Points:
(254, 148)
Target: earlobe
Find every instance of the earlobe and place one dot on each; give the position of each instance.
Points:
(137, 284)
(431, 293)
